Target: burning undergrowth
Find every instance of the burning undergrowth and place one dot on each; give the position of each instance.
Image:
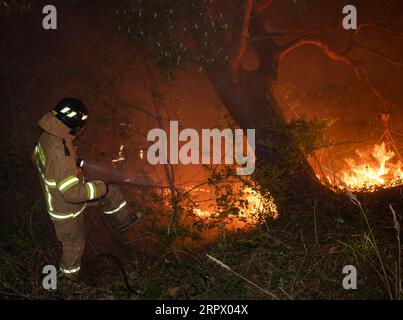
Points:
(367, 170)
(199, 213)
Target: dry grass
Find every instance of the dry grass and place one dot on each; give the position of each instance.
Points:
(298, 256)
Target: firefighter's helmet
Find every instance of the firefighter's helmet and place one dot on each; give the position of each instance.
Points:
(72, 112)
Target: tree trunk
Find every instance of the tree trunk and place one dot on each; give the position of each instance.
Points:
(281, 166)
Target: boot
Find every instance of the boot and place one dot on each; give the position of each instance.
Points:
(134, 217)
(120, 225)
(68, 283)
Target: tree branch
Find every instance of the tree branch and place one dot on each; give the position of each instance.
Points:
(268, 36)
(244, 34)
(262, 5)
(360, 71)
(381, 28)
(380, 55)
(351, 44)
(306, 40)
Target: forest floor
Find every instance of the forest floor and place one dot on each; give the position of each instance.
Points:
(297, 257)
(300, 255)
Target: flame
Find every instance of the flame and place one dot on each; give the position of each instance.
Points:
(256, 204)
(121, 155)
(202, 213)
(378, 168)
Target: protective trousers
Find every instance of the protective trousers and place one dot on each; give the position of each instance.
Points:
(71, 233)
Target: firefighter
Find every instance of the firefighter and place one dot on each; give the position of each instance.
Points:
(66, 192)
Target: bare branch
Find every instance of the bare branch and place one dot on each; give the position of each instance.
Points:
(381, 28)
(293, 44)
(305, 40)
(351, 44)
(268, 36)
(134, 106)
(262, 5)
(380, 55)
(243, 40)
(360, 71)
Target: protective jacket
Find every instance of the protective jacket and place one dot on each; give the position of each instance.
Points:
(66, 193)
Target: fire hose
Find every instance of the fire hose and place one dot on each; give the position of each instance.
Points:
(95, 170)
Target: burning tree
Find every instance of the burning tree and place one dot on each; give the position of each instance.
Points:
(214, 36)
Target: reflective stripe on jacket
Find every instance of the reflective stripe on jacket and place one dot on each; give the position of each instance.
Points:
(65, 192)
